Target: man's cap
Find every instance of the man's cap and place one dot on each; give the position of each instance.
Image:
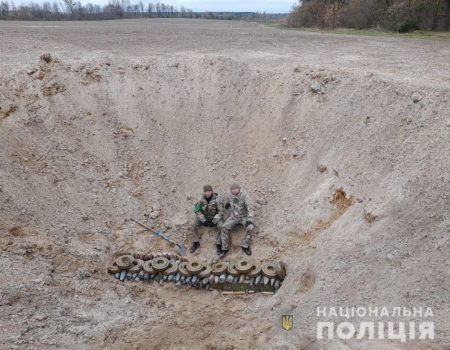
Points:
(234, 185)
(207, 188)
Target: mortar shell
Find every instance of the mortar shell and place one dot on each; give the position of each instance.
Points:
(123, 274)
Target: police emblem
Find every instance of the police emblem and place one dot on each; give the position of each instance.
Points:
(287, 322)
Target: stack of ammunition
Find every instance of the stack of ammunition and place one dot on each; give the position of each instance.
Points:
(243, 275)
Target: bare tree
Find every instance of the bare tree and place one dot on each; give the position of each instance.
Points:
(4, 9)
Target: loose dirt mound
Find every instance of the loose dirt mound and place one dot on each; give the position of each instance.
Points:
(90, 144)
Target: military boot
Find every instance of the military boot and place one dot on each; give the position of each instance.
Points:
(194, 247)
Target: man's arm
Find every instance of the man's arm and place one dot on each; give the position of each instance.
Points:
(221, 209)
(198, 212)
(249, 205)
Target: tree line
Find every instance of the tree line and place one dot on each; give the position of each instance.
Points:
(75, 10)
(115, 9)
(399, 15)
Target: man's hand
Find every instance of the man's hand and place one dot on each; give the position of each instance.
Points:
(202, 220)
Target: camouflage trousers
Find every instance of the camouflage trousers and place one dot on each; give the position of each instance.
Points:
(228, 226)
(197, 223)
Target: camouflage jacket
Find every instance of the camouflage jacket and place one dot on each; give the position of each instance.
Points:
(240, 206)
(210, 211)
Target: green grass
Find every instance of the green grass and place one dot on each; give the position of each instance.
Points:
(418, 34)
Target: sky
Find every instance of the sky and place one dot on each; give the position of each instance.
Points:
(269, 6)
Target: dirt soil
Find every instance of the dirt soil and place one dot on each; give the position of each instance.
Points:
(128, 119)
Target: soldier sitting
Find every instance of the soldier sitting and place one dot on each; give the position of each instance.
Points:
(241, 212)
(207, 213)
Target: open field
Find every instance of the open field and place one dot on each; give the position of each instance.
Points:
(417, 34)
(134, 116)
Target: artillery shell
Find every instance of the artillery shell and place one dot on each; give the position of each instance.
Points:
(134, 275)
(146, 276)
(152, 277)
(177, 277)
(183, 278)
(277, 284)
(207, 286)
(123, 274)
(137, 279)
(211, 279)
(272, 282)
(229, 279)
(257, 279)
(252, 281)
(161, 281)
(266, 280)
(216, 279)
(241, 278)
(205, 281)
(188, 280)
(170, 278)
(129, 275)
(222, 278)
(236, 280)
(194, 279)
(141, 275)
(117, 275)
(178, 284)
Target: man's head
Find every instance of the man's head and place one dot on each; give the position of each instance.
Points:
(208, 191)
(235, 188)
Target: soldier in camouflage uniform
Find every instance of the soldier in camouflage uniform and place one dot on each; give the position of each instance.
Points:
(209, 213)
(241, 212)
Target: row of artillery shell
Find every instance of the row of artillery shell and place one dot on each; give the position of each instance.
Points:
(224, 282)
(172, 265)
